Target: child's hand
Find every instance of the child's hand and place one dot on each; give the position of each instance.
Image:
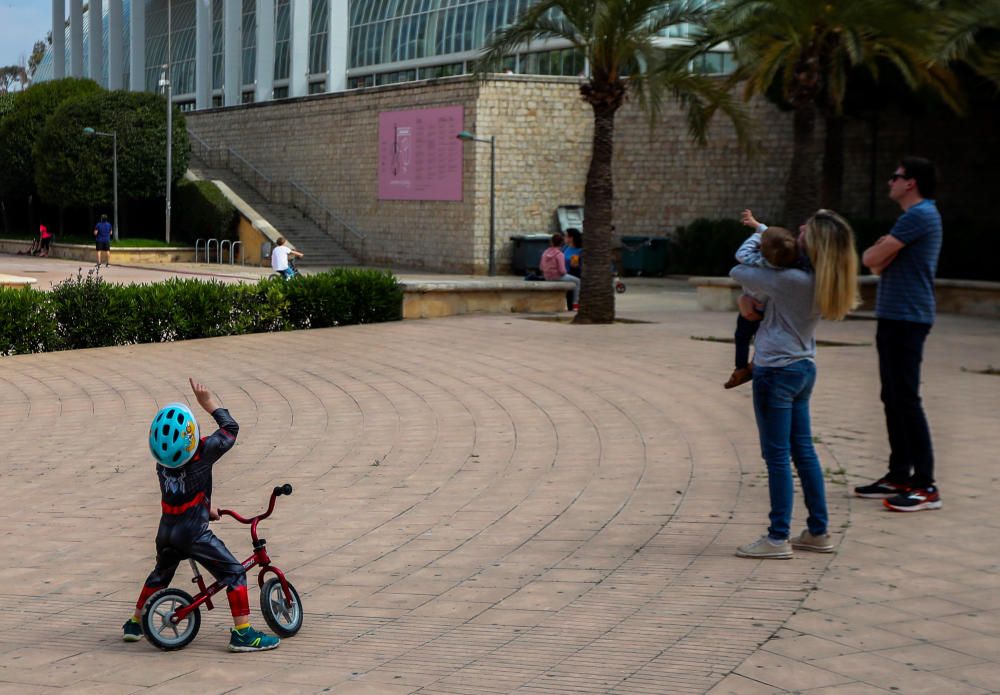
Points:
(213, 514)
(204, 397)
(747, 218)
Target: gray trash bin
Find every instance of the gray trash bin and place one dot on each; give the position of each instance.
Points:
(527, 251)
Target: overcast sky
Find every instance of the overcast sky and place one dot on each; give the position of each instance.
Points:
(22, 22)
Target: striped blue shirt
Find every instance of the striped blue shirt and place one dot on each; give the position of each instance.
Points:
(906, 286)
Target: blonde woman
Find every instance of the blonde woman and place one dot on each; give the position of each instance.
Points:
(785, 371)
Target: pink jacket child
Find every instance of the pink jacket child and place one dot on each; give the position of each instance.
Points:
(553, 267)
(553, 264)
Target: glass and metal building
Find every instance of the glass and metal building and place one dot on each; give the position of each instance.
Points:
(227, 52)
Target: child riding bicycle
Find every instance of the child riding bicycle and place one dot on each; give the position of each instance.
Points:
(184, 469)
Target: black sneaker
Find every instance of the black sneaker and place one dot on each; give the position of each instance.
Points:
(881, 489)
(915, 500)
(131, 631)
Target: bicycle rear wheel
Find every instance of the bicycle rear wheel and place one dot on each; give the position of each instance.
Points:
(157, 624)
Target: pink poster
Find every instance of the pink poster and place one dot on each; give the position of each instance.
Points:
(420, 155)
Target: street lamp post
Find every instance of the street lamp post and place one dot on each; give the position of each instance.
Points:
(467, 136)
(114, 156)
(165, 83)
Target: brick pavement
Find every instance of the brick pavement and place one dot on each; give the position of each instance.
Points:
(492, 504)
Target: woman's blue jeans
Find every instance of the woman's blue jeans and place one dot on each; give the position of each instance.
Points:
(781, 404)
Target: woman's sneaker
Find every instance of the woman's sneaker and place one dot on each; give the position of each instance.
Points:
(881, 489)
(816, 544)
(131, 631)
(250, 640)
(915, 500)
(766, 549)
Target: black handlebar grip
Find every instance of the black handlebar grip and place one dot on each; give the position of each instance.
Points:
(286, 489)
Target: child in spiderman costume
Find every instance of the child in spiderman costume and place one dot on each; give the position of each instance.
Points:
(184, 468)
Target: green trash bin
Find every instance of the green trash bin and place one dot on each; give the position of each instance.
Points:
(527, 251)
(644, 255)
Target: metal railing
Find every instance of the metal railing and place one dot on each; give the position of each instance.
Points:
(220, 250)
(250, 175)
(288, 192)
(200, 148)
(335, 226)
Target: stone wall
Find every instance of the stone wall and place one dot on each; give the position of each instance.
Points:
(663, 179)
(329, 144)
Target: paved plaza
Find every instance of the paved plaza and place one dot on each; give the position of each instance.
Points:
(499, 504)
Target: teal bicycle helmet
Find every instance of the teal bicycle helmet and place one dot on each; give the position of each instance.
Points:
(173, 435)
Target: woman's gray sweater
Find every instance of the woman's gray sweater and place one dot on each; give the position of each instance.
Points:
(787, 333)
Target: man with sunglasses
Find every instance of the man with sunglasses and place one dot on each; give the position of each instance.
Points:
(906, 261)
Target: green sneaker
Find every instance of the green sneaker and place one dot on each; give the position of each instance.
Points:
(131, 631)
(250, 640)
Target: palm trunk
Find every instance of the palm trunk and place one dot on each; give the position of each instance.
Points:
(802, 187)
(597, 299)
(832, 191)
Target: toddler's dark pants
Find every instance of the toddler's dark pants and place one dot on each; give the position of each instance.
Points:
(745, 331)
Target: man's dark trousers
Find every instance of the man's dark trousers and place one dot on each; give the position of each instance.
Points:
(900, 351)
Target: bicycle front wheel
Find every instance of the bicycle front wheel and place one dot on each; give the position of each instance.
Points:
(282, 617)
(158, 624)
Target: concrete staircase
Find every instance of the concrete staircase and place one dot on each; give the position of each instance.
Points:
(320, 249)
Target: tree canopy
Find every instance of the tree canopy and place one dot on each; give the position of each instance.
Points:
(76, 169)
(20, 128)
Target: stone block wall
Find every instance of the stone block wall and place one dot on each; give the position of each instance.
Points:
(663, 179)
(329, 144)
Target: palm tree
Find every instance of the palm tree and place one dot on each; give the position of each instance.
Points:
(809, 49)
(620, 41)
(970, 32)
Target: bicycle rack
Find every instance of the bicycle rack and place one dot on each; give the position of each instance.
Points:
(208, 249)
(197, 243)
(232, 251)
(222, 249)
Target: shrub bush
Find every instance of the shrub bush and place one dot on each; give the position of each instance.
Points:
(27, 322)
(706, 247)
(203, 212)
(86, 311)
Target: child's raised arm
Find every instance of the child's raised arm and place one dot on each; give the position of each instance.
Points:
(204, 396)
(747, 218)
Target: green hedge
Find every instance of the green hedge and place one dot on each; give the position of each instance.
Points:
(85, 311)
(708, 247)
(202, 212)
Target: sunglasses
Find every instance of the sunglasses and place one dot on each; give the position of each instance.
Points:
(896, 177)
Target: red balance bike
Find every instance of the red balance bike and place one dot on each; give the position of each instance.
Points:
(171, 619)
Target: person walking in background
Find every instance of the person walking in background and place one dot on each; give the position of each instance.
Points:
(553, 267)
(785, 371)
(906, 259)
(102, 240)
(44, 240)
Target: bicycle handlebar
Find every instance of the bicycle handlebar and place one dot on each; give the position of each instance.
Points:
(279, 490)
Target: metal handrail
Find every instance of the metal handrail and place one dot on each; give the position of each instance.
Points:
(326, 219)
(254, 177)
(327, 211)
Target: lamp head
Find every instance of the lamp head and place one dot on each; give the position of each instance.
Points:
(465, 135)
(89, 131)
